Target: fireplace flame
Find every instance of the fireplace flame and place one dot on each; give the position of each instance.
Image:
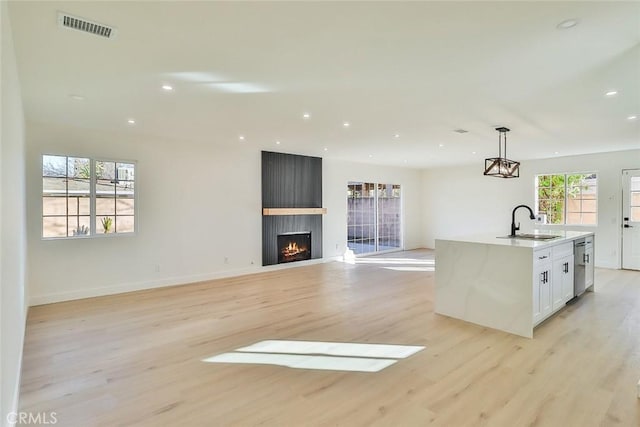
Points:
(292, 249)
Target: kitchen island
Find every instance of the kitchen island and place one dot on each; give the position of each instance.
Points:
(510, 284)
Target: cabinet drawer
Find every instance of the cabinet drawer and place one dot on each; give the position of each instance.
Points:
(562, 250)
(541, 256)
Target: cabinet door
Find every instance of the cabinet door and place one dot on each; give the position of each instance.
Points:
(588, 266)
(562, 284)
(557, 289)
(542, 292)
(567, 282)
(546, 305)
(537, 283)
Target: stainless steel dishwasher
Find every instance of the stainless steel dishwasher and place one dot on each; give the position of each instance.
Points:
(579, 276)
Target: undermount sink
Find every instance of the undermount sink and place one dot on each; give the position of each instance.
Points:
(532, 236)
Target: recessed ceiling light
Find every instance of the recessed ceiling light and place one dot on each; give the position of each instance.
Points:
(326, 149)
(405, 160)
(278, 142)
(77, 97)
(611, 93)
(306, 115)
(241, 137)
(473, 152)
(567, 23)
(632, 117)
(131, 122)
(397, 135)
(556, 152)
(440, 145)
(370, 155)
(346, 124)
(168, 88)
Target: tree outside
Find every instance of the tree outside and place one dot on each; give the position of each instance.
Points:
(568, 198)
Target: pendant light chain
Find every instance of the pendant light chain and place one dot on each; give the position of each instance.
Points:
(505, 144)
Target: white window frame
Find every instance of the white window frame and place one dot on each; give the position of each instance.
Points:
(376, 217)
(92, 199)
(565, 207)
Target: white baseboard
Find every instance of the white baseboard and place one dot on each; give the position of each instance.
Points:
(164, 282)
(608, 266)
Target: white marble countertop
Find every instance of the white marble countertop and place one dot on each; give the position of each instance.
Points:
(503, 240)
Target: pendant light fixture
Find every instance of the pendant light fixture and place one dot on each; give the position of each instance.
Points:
(502, 167)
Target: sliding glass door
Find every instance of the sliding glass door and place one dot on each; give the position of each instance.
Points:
(374, 220)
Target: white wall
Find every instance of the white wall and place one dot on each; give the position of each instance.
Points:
(197, 204)
(13, 295)
(461, 200)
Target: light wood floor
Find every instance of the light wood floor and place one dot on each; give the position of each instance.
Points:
(135, 359)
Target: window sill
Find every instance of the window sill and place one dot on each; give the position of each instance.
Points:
(95, 236)
(567, 225)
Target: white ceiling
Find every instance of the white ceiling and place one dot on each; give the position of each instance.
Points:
(419, 69)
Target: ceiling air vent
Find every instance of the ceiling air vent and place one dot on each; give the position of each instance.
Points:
(460, 131)
(80, 24)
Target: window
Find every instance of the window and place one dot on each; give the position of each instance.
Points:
(373, 223)
(634, 198)
(83, 197)
(568, 199)
(114, 197)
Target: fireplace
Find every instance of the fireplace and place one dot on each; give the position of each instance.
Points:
(294, 247)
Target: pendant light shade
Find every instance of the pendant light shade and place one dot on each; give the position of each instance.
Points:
(502, 167)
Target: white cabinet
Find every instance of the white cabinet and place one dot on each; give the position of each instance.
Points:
(562, 285)
(538, 275)
(588, 263)
(546, 303)
(568, 279)
(542, 293)
(553, 280)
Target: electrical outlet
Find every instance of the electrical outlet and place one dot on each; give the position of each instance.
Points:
(541, 219)
(226, 260)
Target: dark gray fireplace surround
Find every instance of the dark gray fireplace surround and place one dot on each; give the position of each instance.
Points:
(290, 181)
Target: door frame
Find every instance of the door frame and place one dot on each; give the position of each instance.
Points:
(622, 206)
(377, 219)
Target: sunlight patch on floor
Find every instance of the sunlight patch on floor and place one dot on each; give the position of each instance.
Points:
(394, 261)
(298, 361)
(321, 355)
(410, 268)
(333, 348)
(396, 264)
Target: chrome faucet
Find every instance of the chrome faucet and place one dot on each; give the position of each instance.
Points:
(515, 228)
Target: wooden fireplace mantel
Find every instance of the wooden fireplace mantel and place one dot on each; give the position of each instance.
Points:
(293, 211)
